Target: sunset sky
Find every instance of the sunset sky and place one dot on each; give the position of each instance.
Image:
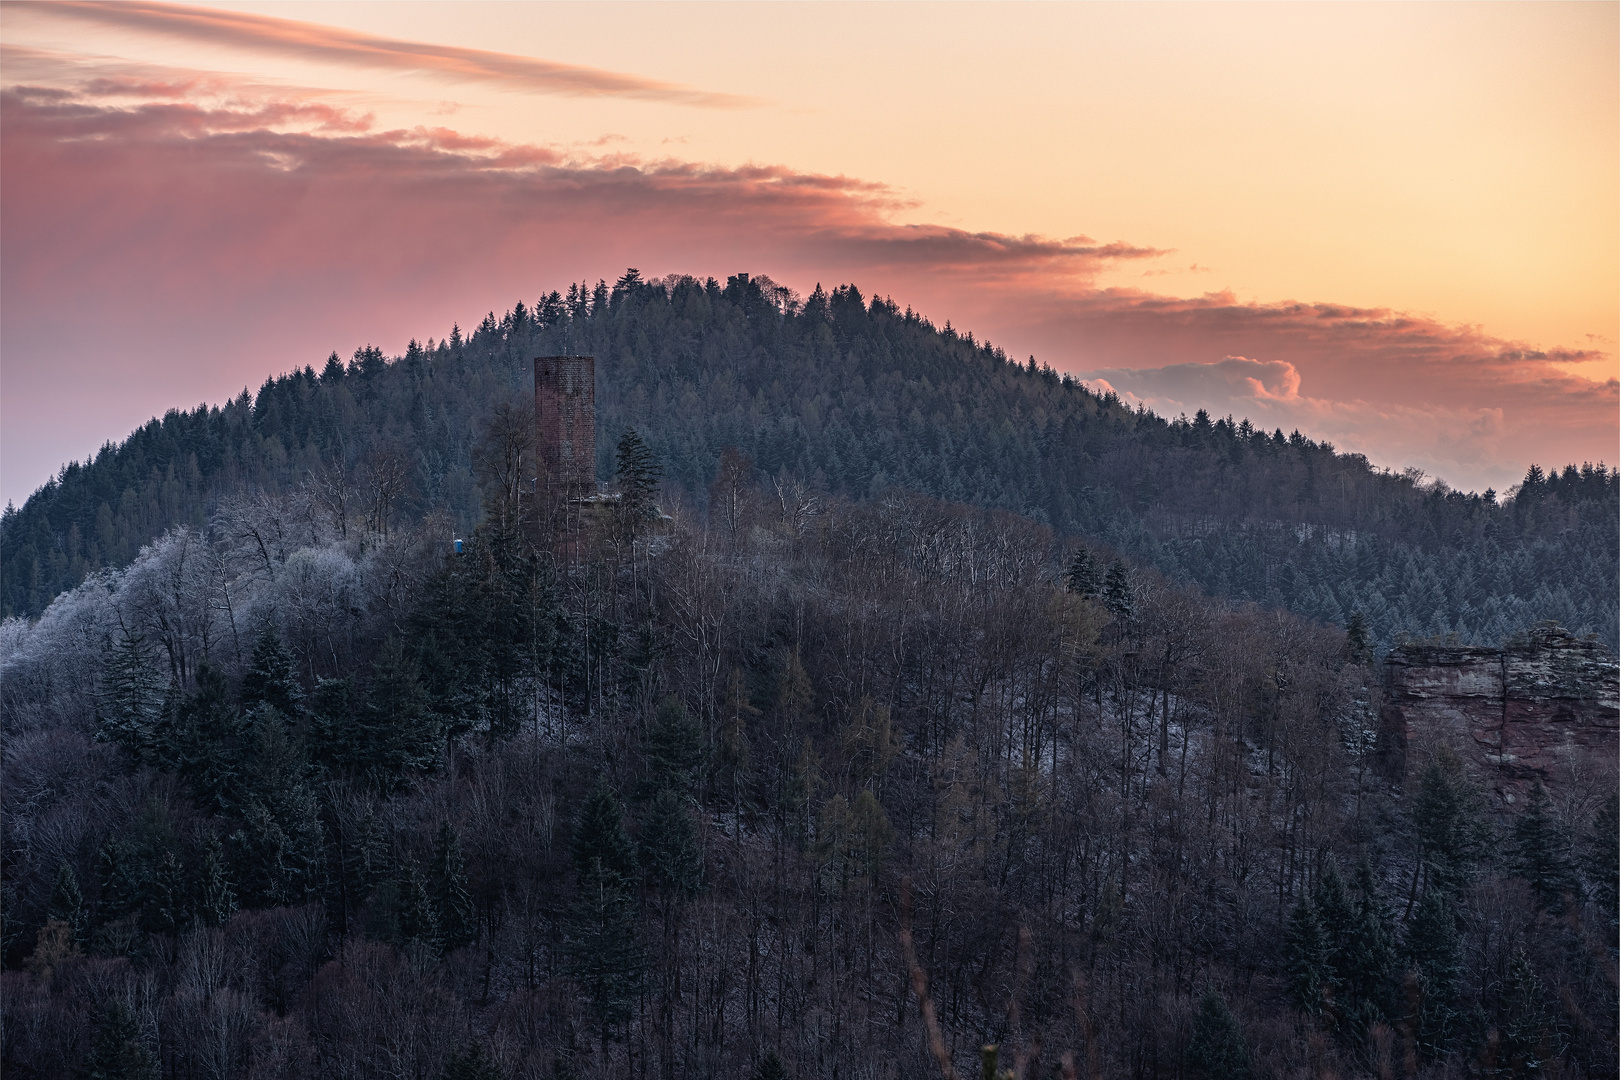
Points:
(1393, 226)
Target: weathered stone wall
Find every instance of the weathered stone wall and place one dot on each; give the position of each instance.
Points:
(1519, 712)
(565, 423)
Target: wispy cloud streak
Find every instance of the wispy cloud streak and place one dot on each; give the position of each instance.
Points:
(329, 44)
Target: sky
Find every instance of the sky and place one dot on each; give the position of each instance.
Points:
(1393, 226)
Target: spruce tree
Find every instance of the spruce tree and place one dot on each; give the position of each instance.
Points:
(118, 1051)
(1338, 917)
(399, 734)
(130, 700)
(1433, 953)
(1217, 1049)
(770, 1067)
(448, 883)
(269, 679)
(1369, 957)
(1446, 818)
(1541, 852)
(599, 836)
(210, 741)
(213, 897)
(1601, 857)
(66, 904)
(1307, 958)
(1529, 1037)
(1357, 641)
(670, 852)
(1083, 576)
(471, 1063)
(674, 748)
(1118, 596)
(638, 473)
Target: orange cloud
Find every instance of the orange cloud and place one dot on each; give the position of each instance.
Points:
(313, 41)
(163, 249)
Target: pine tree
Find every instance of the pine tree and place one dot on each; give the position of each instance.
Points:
(1083, 576)
(448, 883)
(130, 699)
(1541, 852)
(269, 679)
(1601, 858)
(1369, 957)
(603, 955)
(1307, 958)
(599, 836)
(1118, 596)
(67, 902)
(638, 473)
(471, 1063)
(1338, 918)
(335, 740)
(669, 846)
(399, 735)
(674, 748)
(214, 898)
(1432, 952)
(402, 911)
(1357, 641)
(1446, 818)
(1529, 1037)
(119, 1052)
(770, 1067)
(1217, 1050)
(210, 741)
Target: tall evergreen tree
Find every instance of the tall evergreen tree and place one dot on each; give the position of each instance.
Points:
(213, 897)
(674, 748)
(66, 904)
(638, 473)
(1601, 857)
(447, 881)
(269, 679)
(1338, 918)
(1083, 575)
(399, 735)
(1542, 852)
(1434, 954)
(1448, 824)
(1368, 958)
(130, 699)
(1217, 1049)
(1118, 596)
(1307, 958)
(600, 843)
(118, 1051)
(669, 846)
(770, 1067)
(471, 1063)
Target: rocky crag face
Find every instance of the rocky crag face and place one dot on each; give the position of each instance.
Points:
(1543, 702)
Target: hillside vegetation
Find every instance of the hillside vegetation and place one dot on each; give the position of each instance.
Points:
(854, 396)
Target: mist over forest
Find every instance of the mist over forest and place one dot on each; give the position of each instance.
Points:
(902, 698)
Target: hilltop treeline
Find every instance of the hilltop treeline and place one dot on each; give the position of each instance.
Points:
(808, 787)
(856, 396)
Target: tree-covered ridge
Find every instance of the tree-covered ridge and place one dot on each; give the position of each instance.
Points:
(856, 396)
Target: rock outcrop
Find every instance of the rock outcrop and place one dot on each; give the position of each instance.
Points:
(1519, 713)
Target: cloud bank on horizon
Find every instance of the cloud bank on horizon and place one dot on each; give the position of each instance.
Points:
(172, 235)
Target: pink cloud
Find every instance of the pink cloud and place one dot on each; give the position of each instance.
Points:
(164, 248)
(293, 39)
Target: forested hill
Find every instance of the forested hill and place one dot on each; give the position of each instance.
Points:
(857, 396)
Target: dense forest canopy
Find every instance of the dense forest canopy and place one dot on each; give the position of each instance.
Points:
(856, 396)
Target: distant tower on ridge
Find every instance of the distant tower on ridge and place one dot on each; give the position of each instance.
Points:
(565, 421)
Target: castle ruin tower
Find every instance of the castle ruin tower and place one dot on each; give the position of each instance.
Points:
(565, 422)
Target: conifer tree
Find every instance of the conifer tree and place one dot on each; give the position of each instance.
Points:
(1433, 953)
(1307, 958)
(604, 957)
(1446, 818)
(1338, 918)
(599, 836)
(118, 1051)
(674, 748)
(399, 735)
(1369, 956)
(770, 1067)
(1083, 576)
(1541, 852)
(448, 882)
(130, 699)
(269, 679)
(66, 904)
(638, 473)
(210, 741)
(1217, 1049)
(1601, 858)
(1357, 641)
(1118, 597)
(214, 898)
(1530, 1038)
(669, 846)
(471, 1063)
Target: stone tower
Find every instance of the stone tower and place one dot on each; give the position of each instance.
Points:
(565, 421)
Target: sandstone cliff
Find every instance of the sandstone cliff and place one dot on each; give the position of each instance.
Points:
(1545, 700)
